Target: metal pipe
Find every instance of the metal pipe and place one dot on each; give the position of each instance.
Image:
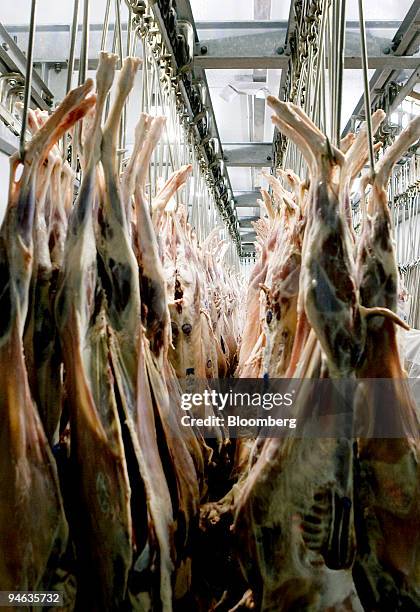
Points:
(106, 25)
(366, 87)
(73, 34)
(321, 50)
(28, 79)
(85, 44)
(323, 92)
(129, 30)
(119, 30)
(332, 61)
(340, 68)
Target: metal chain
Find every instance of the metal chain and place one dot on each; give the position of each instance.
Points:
(161, 93)
(301, 83)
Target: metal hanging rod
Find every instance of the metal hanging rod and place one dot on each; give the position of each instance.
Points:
(28, 79)
(105, 27)
(366, 87)
(85, 43)
(73, 34)
(340, 67)
(118, 31)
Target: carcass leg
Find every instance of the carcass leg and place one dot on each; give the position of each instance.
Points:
(32, 522)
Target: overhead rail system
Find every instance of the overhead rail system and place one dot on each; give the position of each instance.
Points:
(302, 47)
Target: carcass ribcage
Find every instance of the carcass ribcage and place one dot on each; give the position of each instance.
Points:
(285, 516)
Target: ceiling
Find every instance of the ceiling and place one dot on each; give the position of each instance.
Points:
(233, 116)
(238, 95)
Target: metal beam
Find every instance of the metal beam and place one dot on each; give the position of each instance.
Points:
(9, 142)
(248, 219)
(15, 61)
(270, 44)
(92, 64)
(202, 26)
(405, 42)
(248, 154)
(265, 46)
(379, 24)
(246, 198)
(405, 90)
(398, 63)
(10, 122)
(275, 61)
(246, 222)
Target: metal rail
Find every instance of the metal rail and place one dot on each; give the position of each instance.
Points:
(184, 12)
(14, 60)
(404, 43)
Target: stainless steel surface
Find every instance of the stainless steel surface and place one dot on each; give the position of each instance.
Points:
(257, 154)
(14, 60)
